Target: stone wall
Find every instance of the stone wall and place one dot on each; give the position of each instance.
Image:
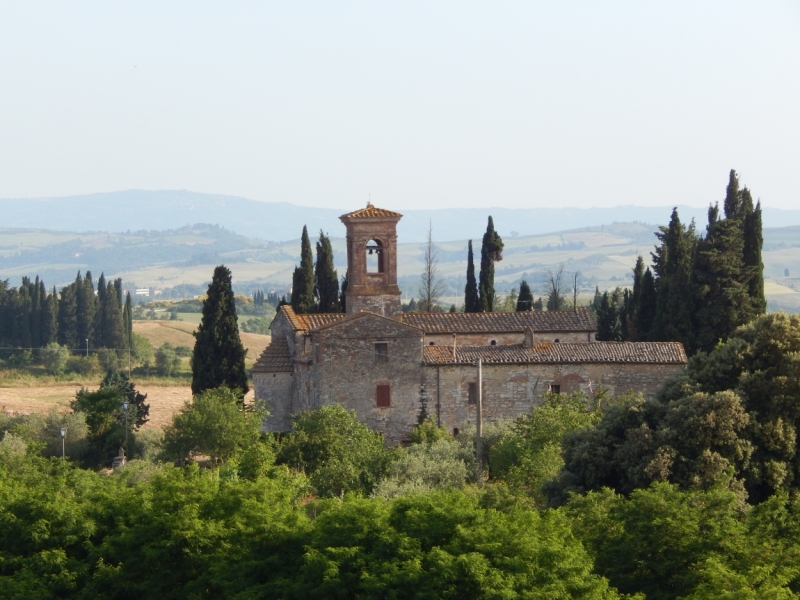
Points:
(504, 339)
(512, 390)
(275, 391)
(346, 371)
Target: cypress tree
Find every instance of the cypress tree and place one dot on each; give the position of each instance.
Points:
(491, 252)
(647, 306)
(113, 324)
(218, 358)
(49, 317)
(303, 278)
(722, 300)
(471, 299)
(608, 325)
(525, 298)
(67, 321)
(733, 199)
(99, 318)
(753, 265)
(672, 264)
(343, 294)
(539, 304)
(21, 317)
(598, 298)
(127, 316)
(326, 280)
(36, 313)
(86, 307)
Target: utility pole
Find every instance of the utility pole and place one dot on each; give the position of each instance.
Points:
(479, 426)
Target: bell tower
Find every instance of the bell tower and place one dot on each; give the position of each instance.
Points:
(372, 261)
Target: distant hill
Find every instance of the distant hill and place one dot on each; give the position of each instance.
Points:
(180, 261)
(134, 210)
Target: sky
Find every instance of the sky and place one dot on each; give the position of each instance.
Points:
(410, 104)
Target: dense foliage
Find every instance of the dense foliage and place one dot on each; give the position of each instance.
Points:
(81, 316)
(491, 252)
(701, 288)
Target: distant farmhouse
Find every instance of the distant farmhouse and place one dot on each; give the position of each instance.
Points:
(395, 369)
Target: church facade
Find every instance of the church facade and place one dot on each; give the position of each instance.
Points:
(396, 369)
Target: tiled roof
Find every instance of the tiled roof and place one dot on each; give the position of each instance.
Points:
(580, 319)
(275, 358)
(548, 352)
(370, 212)
(308, 322)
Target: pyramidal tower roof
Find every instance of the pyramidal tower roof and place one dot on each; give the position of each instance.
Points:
(371, 212)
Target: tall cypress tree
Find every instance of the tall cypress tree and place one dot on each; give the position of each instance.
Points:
(99, 317)
(86, 307)
(733, 199)
(303, 278)
(113, 324)
(471, 298)
(127, 317)
(721, 298)
(326, 280)
(753, 264)
(21, 316)
(672, 264)
(491, 252)
(608, 324)
(525, 298)
(218, 358)
(67, 319)
(36, 313)
(343, 294)
(49, 316)
(647, 306)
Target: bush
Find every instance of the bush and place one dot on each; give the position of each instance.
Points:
(214, 424)
(54, 357)
(258, 325)
(167, 362)
(425, 467)
(83, 365)
(336, 451)
(111, 360)
(20, 360)
(183, 351)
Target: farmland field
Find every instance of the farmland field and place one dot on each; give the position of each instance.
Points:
(163, 400)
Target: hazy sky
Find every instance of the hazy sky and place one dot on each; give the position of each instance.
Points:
(421, 104)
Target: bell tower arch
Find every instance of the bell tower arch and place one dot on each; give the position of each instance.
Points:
(372, 261)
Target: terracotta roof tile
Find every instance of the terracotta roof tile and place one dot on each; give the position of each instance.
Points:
(548, 352)
(371, 212)
(308, 322)
(275, 358)
(581, 319)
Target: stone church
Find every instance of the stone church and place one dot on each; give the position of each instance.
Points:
(395, 369)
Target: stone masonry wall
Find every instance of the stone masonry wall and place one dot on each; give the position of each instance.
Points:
(504, 339)
(346, 372)
(510, 391)
(275, 391)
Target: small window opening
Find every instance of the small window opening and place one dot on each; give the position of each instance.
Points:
(494, 342)
(455, 431)
(431, 343)
(472, 393)
(381, 352)
(555, 389)
(556, 340)
(375, 257)
(383, 396)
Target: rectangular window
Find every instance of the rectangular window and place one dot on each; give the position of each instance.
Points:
(381, 352)
(473, 393)
(555, 389)
(383, 397)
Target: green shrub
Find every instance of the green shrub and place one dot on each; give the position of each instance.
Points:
(54, 357)
(83, 365)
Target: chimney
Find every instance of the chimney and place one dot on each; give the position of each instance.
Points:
(528, 341)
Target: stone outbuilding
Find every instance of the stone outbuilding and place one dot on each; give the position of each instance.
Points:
(395, 369)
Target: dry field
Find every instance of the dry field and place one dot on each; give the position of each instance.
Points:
(179, 333)
(163, 400)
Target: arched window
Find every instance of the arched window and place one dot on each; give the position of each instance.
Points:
(375, 258)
